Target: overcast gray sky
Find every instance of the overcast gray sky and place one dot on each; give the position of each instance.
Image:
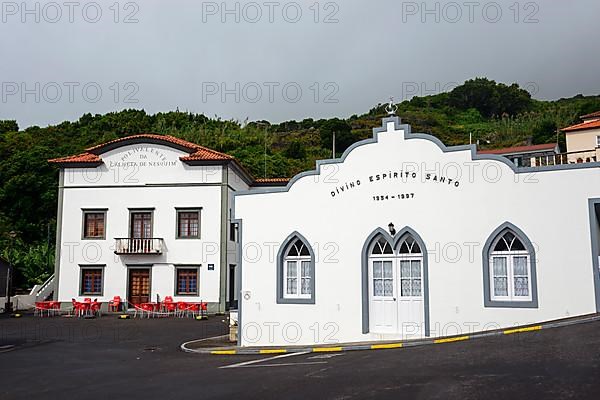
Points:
(281, 60)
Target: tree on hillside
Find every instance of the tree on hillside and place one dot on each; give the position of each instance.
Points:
(8, 126)
(490, 98)
(343, 134)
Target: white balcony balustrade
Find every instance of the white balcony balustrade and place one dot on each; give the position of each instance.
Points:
(145, 246)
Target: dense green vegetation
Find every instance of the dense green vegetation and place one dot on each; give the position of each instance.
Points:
(496, 113)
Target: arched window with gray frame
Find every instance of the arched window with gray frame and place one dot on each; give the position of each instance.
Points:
(295, 271)
(509, 269)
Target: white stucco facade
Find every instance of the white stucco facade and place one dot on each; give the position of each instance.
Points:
(149, 176)
(453, 203)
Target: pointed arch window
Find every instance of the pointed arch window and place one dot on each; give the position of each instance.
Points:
(411, 262)
(509, 269)
(381, 247)
(383, 268)
(296, 271)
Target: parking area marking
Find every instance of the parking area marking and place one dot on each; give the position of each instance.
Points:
(262, 360)
(6, 348)
(451, 340)
(522, 330)
(325, 356)
(283, 364)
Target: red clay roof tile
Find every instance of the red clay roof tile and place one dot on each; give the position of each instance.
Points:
(520, 149)
(582, 126)
(196, 153)
(592, 115)
(79, 158)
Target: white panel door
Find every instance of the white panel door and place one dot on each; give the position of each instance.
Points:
(383, 310)
(410, 297)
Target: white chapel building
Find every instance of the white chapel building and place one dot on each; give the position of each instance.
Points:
(149, 216)
(403, 237)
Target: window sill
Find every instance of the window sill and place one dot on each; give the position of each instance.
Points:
(284, 300)
(511, 304)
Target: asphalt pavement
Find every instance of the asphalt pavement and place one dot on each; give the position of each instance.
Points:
(110, 358)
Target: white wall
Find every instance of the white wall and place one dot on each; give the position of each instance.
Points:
(550, 207)
(236, 183)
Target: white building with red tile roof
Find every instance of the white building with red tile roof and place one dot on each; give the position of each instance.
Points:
(522, 156)
(583, 140)
(149, 216)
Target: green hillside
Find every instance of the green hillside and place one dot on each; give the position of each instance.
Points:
(496, 113)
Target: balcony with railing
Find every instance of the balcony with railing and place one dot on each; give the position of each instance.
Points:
(135, 246)
(576, 157)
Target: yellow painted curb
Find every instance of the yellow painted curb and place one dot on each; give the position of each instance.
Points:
(273, 351)
(450, 340)
(386, 346)
(326, 349)
(521, 330)
(223, 352)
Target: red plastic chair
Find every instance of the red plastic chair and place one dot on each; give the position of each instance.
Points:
(182, 308)
(40, 308)
(148, 308)
(95, 308)
(54, 307)
(170, 307)
(194, 309)
(115, 304)
(79, 308)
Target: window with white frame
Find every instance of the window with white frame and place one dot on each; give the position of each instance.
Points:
(598, 141)
(297, 273)
(510, 269)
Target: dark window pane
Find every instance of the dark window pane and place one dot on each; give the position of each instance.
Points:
(416, 249)
(304, 251)
(501, 245)
(404, 248)
(509, 237)
(293, 250)
(378, 249)
(517, 245)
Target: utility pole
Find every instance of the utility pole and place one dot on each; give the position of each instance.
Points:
(259, 123)
(333, 156)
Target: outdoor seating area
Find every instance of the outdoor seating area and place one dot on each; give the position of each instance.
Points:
(89, 308)
(47, 308)
(170, 308)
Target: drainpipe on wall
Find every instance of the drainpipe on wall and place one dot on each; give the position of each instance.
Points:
(223, 245)
(59, 218)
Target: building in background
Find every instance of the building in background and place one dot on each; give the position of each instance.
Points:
(583, 140)
(148, 216)
(527, 156)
